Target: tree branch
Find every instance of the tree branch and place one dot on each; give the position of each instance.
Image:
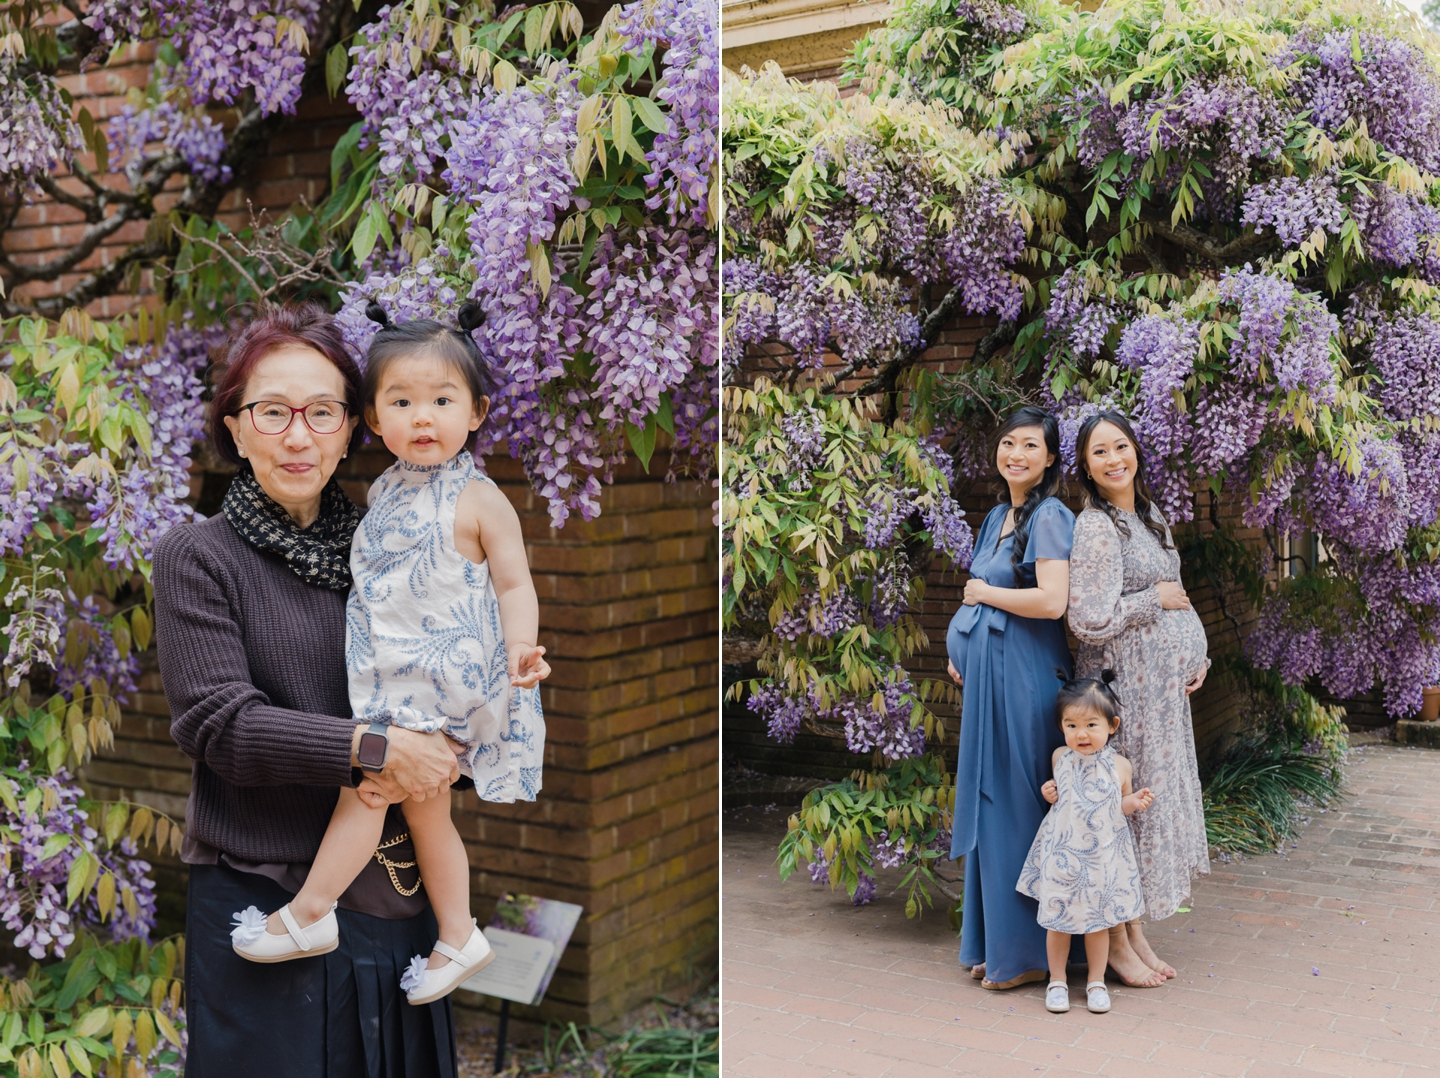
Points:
(1196, 242)
(888, 375)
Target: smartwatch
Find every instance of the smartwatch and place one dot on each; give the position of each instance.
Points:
(374, 744)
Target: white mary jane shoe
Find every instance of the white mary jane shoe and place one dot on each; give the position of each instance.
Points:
(1057, 997)
(1097, 997)
(251, 941)
(423, 985)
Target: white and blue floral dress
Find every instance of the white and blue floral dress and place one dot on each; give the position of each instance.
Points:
(1082, 865)
(423, 643)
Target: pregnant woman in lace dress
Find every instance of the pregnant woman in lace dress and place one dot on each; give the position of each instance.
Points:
(1131, 615)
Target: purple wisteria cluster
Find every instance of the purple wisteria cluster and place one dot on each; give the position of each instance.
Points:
(1075, 320)
(36, 624)
(795, 307)
(1233, 124)
(1399, 230)
(195, 137)
(579, 364)
(1295, 208)
(51, 832)
(1163, 350)
(1391, 87)
(868, 726)
(37, 133)
(144, 498)
(230, 47)
(406, 112)
(682, 161)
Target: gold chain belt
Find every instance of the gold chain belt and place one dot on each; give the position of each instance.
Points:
(391, 866)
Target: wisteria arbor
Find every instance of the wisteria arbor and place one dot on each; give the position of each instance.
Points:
(1221, 219)
(563, 175)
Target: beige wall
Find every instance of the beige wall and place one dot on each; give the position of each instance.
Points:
(807, 38)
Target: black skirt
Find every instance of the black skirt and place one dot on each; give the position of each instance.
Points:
(337, 1014)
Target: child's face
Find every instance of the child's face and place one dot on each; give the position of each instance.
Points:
(424, 411)
(1086, 730)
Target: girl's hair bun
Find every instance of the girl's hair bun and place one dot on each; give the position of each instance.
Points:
(376, 313)
(1060, 673)
(1107, 676)
(470, 316)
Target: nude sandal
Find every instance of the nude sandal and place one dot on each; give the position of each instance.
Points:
(423, 985)
(250, 940)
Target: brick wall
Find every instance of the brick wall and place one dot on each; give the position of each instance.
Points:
(627, 823)
(296, 165)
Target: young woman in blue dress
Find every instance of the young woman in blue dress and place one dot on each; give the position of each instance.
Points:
(1006, 645)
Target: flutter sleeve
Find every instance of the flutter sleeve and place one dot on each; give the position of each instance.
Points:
(1051, 532)
(1099, 611)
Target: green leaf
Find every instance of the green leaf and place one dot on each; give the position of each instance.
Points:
(642, 440)
(343, 149)
(337, 64)
(168, 53)
(651, 115)
(665, 415)
(366, 232)
(55, 843)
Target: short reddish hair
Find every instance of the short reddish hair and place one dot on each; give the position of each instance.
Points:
(306, 324)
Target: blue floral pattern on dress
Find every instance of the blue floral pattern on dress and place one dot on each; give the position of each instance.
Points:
(1082, 865)
(423, 644)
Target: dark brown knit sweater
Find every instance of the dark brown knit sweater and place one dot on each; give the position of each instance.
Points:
(253, 664)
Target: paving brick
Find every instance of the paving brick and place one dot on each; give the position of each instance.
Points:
(1246, 1003)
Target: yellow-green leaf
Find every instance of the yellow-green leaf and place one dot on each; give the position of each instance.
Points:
(140, 628)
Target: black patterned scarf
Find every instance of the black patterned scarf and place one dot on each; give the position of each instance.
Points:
(319, 554)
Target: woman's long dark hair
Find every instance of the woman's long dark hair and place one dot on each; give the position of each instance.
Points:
(1093, 499)
(1049, 485)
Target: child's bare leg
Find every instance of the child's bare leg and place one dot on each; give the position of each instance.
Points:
(349, 842)
(1097, 953)
(1057, 950)
(444, 867)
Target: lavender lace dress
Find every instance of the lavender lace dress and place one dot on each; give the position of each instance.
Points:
(1081, 867)
(1116, 614)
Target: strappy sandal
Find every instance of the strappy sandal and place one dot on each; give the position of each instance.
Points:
(424, 985)
(1097, 997)
(1057, 997)
(1030, 976)
(978, 971)
(251, 941)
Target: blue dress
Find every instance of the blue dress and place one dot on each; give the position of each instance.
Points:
(1007, 735)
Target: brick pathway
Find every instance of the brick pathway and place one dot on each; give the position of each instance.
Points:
(1323, 961)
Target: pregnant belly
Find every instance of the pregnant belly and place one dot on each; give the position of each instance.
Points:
(1183, 636)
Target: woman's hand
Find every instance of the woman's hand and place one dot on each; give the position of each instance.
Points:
(1197, 681)
(975, 591)
(954, 674)
(1050, 792)
(1172, 595)
(527, 665)
(418, 765)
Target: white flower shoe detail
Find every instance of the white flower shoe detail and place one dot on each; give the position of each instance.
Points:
(423, 985)
(1057, 997)
(1097, 997)
(251, 941)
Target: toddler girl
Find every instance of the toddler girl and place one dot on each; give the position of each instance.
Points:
(441, 631)
(1082, 865)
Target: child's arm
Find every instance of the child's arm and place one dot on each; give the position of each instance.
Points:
(1050, 792)
(1131, 802)
(503, 545)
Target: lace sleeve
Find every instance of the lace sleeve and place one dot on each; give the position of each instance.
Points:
(1098, 610)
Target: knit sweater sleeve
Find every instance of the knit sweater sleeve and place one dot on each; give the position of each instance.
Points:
(218, 716)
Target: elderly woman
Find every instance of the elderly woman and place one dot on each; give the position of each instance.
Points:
(250, 626)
